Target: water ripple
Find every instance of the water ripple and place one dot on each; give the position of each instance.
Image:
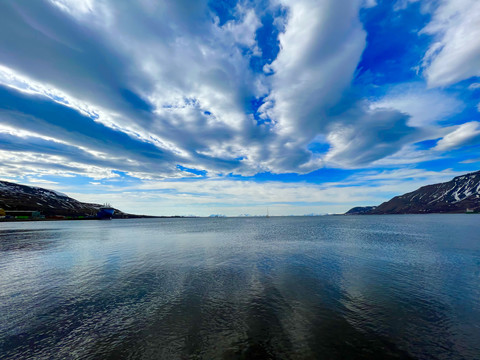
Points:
(393, 287)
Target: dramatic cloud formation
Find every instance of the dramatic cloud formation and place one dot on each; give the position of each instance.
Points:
(455, 53)
(466, 134)
(105, 95)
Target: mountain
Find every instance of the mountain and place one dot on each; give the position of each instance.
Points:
(359, 210)
(455, 196)
(48, 202)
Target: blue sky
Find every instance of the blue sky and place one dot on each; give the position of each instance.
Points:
(206, 107)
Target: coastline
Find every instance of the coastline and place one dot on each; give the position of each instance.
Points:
(94, 218)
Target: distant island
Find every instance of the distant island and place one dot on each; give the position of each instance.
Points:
(459, 195)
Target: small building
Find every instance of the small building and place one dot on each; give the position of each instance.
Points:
(470, 211)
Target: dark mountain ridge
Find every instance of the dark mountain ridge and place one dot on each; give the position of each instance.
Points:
(455, 196)
(359, 210)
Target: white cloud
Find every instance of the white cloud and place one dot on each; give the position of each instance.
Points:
(470, 161)
(75, 7)
(465, 134)
(41, 182)
(18, 164)
(310, 92)
(403, 4)
(381, 133)
(320, 49)
(370, 3)
(425, 107)
(404, 174)
(179, 60)
(17, 81)
(243, 31)
(455, 54)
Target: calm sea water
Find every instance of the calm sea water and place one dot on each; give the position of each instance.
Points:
(373, 287)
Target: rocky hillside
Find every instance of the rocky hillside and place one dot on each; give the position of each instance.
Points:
(360, 210)
(48, 202)
(455, 196)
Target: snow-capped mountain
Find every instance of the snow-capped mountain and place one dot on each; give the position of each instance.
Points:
(455, 196)
(48, 202)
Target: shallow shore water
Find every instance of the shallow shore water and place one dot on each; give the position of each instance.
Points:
(371, 287)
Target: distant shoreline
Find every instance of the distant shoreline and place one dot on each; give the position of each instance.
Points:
(223, 217)
(97, 219)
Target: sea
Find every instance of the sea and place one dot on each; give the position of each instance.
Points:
(327, 287)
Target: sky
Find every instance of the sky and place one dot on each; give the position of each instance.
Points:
(200, 107)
